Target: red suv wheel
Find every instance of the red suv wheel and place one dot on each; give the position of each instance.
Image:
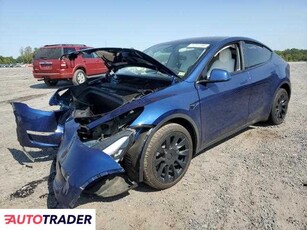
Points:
(79, 77)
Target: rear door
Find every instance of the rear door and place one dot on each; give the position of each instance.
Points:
(46, 60)
(256, 62)
(94, 64)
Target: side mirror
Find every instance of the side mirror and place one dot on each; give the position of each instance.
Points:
(217, 75)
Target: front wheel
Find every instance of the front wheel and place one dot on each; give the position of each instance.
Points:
(79, 77)
(279, 107)
(168, 156)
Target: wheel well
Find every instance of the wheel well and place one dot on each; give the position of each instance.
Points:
(82, 68)
(186, 124)
(181, 121)
(287, 88)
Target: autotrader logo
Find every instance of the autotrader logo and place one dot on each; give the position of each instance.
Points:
(47, 219)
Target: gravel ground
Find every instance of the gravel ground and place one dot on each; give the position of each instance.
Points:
(255, 180)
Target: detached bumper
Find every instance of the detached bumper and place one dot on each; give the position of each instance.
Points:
(37, 128)
(78, 165)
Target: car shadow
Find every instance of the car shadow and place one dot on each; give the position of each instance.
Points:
(142, 187)
(263, 124)
(29, 188)
(86, 198)
(42, 85)
(51, 200)
(38, 156)
(223, 140)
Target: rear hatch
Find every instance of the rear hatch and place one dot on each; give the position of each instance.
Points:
(47, 60)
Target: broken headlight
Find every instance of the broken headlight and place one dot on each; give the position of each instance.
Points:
(116, 145)
(110, 127)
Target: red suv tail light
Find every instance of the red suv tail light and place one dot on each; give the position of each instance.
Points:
(63, 64)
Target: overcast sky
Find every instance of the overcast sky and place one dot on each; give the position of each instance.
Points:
(280, 24)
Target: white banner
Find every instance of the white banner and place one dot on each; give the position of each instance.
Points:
(46, 219)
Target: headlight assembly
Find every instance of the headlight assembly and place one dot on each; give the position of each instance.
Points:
(116, 145)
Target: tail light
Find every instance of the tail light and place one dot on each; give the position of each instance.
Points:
(63, 64)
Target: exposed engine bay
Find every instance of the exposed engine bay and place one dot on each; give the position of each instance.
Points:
(111, 92)
(90, 101)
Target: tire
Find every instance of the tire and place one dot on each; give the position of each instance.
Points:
(167, 156)
(51, 82)
(79, 77)
(279, 107)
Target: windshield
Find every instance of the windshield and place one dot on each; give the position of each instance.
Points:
(180, 58)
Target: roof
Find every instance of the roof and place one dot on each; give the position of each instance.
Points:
(209, 40)
(82, 45)
(206, 40)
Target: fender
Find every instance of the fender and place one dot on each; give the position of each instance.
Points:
(283, 83)
(288, 85)
(152, 131)
(78, 66)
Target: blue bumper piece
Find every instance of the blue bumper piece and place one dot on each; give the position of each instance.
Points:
(37, 128)
(78, 165)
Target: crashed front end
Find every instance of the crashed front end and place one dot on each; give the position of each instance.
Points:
(90, 148)
(80, 163)
(93, 128)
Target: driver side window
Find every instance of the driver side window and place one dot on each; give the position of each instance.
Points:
(227, 58)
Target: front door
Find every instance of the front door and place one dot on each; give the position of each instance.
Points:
(224, 105)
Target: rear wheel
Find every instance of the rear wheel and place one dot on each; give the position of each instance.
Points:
(50, 82)
(79, 77)
(168, 156)
(279, 107)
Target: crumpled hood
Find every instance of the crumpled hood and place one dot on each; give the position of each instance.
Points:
(117, 58)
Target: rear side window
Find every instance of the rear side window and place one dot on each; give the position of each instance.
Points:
(69, 50)
(255, 54)
(89, 55)
(48, 53)
(86, 55)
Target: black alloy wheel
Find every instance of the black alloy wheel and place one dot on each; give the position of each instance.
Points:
(279, 107)
(168, 156)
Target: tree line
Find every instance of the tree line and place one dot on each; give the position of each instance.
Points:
(293, 54)
(26, 55)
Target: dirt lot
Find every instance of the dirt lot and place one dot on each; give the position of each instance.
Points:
(254, 180)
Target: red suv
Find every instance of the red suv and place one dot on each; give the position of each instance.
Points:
(50, 67)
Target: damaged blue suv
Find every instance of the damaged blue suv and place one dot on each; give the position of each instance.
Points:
(153, 111)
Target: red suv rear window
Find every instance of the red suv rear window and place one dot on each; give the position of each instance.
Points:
(48, 53)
